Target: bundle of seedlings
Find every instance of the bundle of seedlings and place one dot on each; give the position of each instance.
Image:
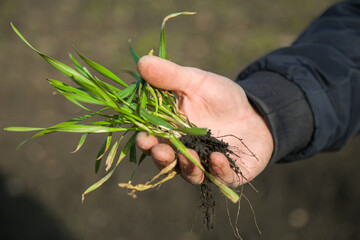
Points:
(131, 109)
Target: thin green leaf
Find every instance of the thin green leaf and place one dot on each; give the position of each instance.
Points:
(143, 156)
(64, 87)
(81, 142)
(76, 94)
(133, 74)
(108, 175)
(155, 119)
(87, 129)
(109, 162)
(71, 98)
(144, 99)
(133, 153)
(142, 102)
(193, 131)
(154, 97)
(134, 55)
(78, 65)
(102, 70)
(102, 92)
(23, 129)
(47, 130)
(127, 147)
(111, 156)
(63, 68)
(98, 183)
(108, 122)
(105, 146)
(126, 92)
(22, 143)
(100, 155)
(162, 49)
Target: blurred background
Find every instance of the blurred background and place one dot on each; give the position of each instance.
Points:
(41, 184)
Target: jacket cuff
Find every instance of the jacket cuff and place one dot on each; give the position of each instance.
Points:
(285, 110)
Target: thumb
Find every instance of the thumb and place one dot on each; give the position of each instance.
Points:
(164, 74)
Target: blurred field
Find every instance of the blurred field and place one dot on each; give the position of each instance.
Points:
(41, 184)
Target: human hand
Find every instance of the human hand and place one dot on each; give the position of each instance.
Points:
(214, 102)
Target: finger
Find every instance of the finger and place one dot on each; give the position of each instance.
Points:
(220, 168)
(164, 74)
(188, 170)
(146, 142)
(162, 155)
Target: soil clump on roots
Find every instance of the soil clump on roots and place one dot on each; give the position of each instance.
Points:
(204, 145)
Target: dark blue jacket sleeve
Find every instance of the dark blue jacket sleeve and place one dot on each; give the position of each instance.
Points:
(309, 92)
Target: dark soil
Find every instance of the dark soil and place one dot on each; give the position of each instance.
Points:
(204, 145)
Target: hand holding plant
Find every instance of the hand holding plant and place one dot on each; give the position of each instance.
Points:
(167, 102)
(214, 102)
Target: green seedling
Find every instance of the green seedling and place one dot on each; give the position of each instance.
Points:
(130, 109)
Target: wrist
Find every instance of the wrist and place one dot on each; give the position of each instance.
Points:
(284, 108)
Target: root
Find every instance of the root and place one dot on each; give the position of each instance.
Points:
(204, 146)
(208, 204)
(242, 142)
(234, 225)
(168, 172)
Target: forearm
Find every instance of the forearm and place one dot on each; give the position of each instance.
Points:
(323, 64)
(285, 109)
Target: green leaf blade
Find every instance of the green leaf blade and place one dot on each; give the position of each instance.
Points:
(134, 55)
(193, 131)
(81, 142)
(162, 48)
(102, 70)
(152, 118)
(23, 129)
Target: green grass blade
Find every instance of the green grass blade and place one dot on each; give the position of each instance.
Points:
(67, 88)
(112, 153)
(126, 92)
(71, 98)
(143, 156)
(133, 74)
(47, 130)
(86, 98)
(102, 70)
(103, 149)
(87, 129)
(162, 49)
(23, 129)
(61, 67)
(193, 131)
(155, 119)
(126, 148)
(78, 65)
(108, 97)
(134, 55)
(100, 154)
(98, 183)
(142, 102)
(123, 153)
(144, 99)
(154, 97)
(81, 142)
(132, 157)
(106, 122)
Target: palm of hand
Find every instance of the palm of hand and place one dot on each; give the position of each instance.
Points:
(217, 103)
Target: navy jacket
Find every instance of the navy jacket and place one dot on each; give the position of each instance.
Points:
(309, 92)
